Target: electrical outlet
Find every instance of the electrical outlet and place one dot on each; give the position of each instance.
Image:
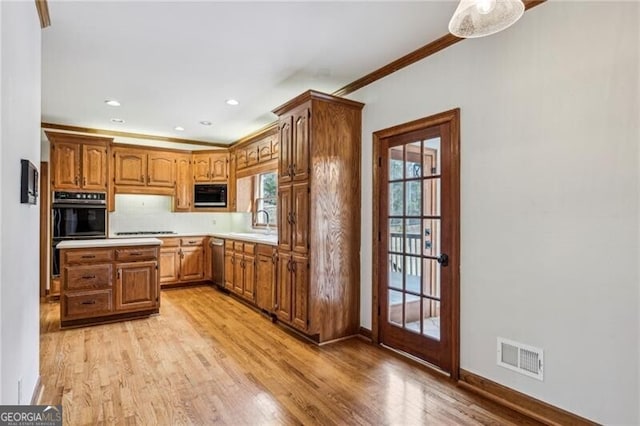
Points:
(19, 391)
(213, 221)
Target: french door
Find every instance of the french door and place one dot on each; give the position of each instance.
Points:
(417, 253)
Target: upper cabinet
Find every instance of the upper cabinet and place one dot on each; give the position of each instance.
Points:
(210, 167)
(294, 144)
(184, 185)
(78, 162)
(254, 154)
(143, 168)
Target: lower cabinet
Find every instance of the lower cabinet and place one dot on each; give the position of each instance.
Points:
(98, 284)
(182, 260)
(136, 285)
(265, 277)
(240, 262)
(292, 298)
(250, 271)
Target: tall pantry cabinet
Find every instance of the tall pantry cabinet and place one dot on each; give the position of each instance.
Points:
(318, 271)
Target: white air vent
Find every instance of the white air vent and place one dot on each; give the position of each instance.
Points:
(522, 358)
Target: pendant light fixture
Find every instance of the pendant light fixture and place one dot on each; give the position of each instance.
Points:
(479, 18)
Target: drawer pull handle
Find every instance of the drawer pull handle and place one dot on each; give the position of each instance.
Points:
(192, 242)
(135, 253)
(88, 277)
(89, 256)
(89, 302)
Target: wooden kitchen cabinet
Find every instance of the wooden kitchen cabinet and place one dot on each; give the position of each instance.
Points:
(169, 265)
(161, 169)
(137, 286)
(210, 167)
(192, 264)
(294, 144)
(318, 273)
(94, 167)
(78, 162)
(102, 284)
(130, 167)
(182, 260)
(184, 184)
(150, 171)
(240, 268)
(266, 258)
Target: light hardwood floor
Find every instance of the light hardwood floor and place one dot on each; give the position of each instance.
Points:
(208, 359)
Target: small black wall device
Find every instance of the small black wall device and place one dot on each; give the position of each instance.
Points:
(28, 183)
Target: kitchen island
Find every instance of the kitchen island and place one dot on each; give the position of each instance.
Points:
(106, 280)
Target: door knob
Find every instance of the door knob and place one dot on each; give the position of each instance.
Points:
(443, 259)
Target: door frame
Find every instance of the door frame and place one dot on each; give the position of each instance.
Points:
(453, 118)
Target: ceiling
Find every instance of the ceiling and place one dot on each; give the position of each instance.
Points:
(176, 63)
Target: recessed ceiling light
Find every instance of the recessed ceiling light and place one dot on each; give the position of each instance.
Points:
(232, 102)
(117, 120)
(179, 128)
(112, 102)
(206, 123)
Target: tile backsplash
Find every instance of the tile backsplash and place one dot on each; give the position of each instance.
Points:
(153, 213)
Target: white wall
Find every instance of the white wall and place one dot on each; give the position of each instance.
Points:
(549, 196)
(19, 261)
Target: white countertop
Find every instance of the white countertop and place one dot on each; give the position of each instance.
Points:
(268, 239)
(109, 242)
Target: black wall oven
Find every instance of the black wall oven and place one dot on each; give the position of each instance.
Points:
(76, 216)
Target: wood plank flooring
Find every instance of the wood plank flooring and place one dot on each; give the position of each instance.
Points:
(208, 359)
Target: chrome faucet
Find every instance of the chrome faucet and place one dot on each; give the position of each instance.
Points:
(266, 213)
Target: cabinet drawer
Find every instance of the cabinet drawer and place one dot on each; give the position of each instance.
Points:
(193, 241)
(237, 246)
(87, 304)
(88, 277)
(249, 248)
(265, 250)
(228, 244)
(170, 242)
(133, 254)
(88, 256)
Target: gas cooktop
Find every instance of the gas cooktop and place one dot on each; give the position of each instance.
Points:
(146, 233)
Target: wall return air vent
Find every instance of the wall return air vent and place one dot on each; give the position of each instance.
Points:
(521, 358)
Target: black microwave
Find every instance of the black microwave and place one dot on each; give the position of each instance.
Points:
(210, 195)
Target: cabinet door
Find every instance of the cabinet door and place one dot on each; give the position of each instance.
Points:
(264, 150)
(208, 263)
(300, 218)
(275, 147)
(265, 273)
(284, 290)
(169, 265)
(228, 269)
(161, 169)
(300, 276)
(284, 161)
(238, 273)
(137, 285)
(201, 168)
(249, 266)
(300, 145)
(130, 167)
(252, 154)
(184, 186)
(65, 159)
(241, 158)
(284, 217)
(94, 167)
(219, 164)
(192, 264)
